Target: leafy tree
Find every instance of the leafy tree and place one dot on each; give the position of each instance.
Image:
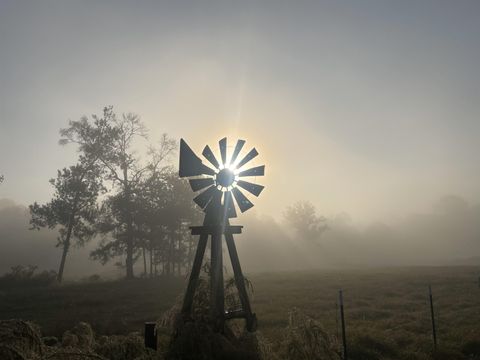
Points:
(110, 140)
(162, 212)
(179, 213)
(111, 223)
(302, 216)
(152, 204)
(2, 178)
(72, 209)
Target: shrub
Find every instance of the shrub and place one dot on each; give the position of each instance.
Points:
(19, 340)
(306, 339)
(25, 275)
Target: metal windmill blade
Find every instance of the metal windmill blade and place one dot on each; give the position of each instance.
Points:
(191, 164)
(237, 150)
(253, 153)
(223, 150)
(254, 189)
(256, 171)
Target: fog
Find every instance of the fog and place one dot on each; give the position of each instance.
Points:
(21, 246)
(447, 235)
(362, 108)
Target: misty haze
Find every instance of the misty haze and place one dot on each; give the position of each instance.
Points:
(239, 180)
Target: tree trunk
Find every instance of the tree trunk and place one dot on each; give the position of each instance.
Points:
(62, 262)
(182, 253)
(66, 247)
(169, 256)
(144, 261)
(129, 259)
(189, 255)
(151, 260)
(129, 240)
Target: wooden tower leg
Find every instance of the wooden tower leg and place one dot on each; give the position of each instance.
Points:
(216, 278)
(240, 283)
(192, 282)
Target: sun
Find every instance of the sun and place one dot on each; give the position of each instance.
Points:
(225, 179)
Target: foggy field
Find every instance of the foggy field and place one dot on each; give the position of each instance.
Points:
(384, 308)
(387, 312)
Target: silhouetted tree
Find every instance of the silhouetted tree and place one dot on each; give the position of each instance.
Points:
(1, 178)
(163, 212)
(181, 213)
(153, 208)
(110, 141)
(302, 216)
(72, 209)
(112, 224)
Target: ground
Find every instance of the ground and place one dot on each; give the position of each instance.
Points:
(386, 310)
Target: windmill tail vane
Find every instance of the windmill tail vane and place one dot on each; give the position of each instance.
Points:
(219, 189)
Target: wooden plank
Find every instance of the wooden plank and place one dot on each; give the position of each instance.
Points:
(192, 282)
(217, 297)
(240, 283)
(215, 229)
(235, 314)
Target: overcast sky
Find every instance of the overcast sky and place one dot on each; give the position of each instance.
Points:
(370, 107)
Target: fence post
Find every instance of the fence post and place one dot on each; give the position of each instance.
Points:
(336, 319)
(342, 317)
(432, 314)
(150, 335)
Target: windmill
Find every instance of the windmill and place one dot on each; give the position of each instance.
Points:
(219, 187)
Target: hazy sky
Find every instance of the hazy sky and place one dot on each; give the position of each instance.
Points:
(369, 107)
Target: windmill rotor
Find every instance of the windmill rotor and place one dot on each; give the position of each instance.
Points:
(221, 183)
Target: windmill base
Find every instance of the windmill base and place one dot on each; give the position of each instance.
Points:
(198, 340)
(217, 314)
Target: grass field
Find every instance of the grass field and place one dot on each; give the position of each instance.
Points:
(387, 313)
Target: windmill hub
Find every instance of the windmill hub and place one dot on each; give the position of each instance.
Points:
(225, 178)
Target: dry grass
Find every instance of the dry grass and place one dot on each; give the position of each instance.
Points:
(387, 313)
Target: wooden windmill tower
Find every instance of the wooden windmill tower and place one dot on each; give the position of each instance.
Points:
(219, 189)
